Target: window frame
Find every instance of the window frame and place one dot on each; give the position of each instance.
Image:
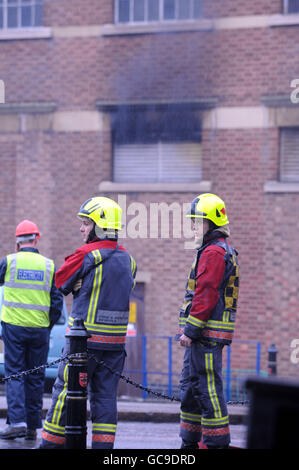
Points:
(19, 5)
(161, 18)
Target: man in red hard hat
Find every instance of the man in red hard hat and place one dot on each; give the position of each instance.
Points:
(26, 230)
(31, 306)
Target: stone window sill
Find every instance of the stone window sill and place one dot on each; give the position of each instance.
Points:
(284, 20)
(25, 33)
(281, 187)
(165, 27)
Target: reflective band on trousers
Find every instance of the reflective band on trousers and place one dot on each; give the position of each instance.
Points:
(53, 438)
(103, 438)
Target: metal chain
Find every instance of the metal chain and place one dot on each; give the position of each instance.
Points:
(238, 402)
(146, 389)
(112, 371)
(131, 382)
(37, 368)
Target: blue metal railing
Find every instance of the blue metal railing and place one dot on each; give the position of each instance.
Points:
(228, 372)
(145, 372)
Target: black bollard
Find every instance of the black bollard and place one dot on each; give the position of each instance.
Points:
(76, 399)
(272, 360)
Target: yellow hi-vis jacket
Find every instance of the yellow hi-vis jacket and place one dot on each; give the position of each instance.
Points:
(27, 286)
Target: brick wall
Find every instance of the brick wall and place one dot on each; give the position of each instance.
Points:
(227, 8)
(238, 66)
(7, 191)
(62, 13)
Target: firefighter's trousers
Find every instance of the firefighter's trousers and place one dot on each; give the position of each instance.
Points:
(102, 391)
(203, 407)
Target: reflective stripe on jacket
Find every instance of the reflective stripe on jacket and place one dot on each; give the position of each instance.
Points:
(27, 286)
(107, 271)
(218, 323)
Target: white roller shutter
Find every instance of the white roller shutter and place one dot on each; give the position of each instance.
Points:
(289, 159)
(155, 162)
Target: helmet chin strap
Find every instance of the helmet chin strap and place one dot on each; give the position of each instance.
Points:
(105, 234)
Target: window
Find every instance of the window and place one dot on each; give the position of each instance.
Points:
(145, 11)
(291, 6)
(289, 154)
(171, 162)
(20, 13)
(156, 145)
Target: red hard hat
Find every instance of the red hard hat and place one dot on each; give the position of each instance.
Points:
(26, 227)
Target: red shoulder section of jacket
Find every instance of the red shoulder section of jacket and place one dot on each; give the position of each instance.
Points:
(210, 272)
(217, 248)
(74, 261)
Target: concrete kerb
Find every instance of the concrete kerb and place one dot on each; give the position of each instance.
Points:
(145, 410)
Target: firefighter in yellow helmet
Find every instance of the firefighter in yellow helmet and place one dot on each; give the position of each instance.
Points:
(31, 306)
(207, 322)
(100, 275)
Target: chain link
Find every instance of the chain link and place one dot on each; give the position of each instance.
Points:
(36, 369)
(112, 371)
(131, 382)
(238, 402)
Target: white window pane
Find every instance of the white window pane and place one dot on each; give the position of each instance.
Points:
(38, 20)
(124, 11)
(138, 10)
(197, 8)
(26, 16)
(153, 10)
(169, 9)
(184, 9)
(12, 17)
(293, 6)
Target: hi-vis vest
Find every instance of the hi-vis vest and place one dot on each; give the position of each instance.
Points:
(221, 323)
(27, 287)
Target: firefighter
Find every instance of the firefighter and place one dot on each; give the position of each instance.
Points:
(100, 275)
(206, 325)
(31, 306)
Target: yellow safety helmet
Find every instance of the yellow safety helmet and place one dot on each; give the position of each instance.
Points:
(105, 212)
(209, 206)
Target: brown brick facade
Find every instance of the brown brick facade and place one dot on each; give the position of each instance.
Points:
(50, 163)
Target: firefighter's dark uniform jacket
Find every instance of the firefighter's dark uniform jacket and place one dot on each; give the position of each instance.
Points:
(209, 307)
(107, 271)
(208, 317)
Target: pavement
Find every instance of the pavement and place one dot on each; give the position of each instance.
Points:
(142, 424)
(155, 410)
